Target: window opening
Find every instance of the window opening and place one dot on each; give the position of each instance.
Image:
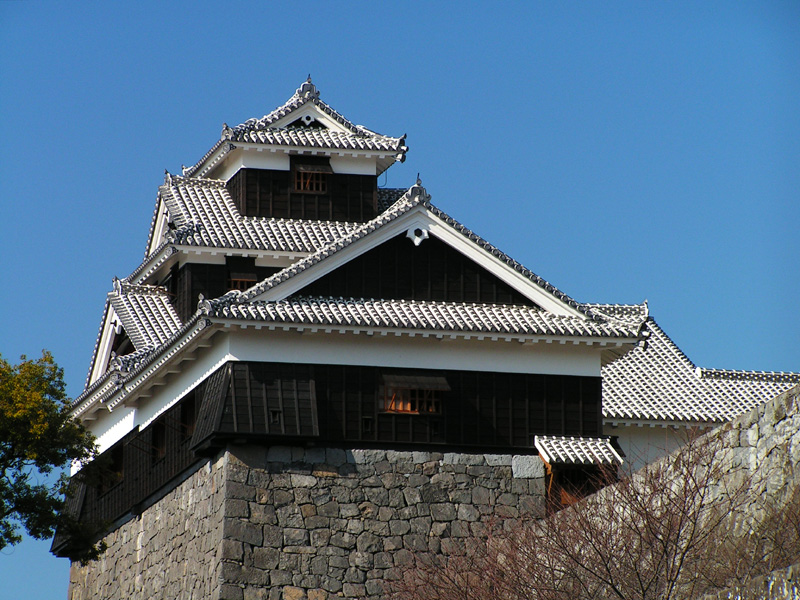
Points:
(410, 394)
(241, 283)
(158, 441)
(112, 471)
(311, 179)
(188, 416)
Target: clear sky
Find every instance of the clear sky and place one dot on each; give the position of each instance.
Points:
(622, 151)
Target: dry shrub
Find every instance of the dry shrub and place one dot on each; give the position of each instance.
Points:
(685, 525)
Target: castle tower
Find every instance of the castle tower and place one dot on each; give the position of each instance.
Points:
(309, 378)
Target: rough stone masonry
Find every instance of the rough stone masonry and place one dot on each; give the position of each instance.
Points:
(292, 523)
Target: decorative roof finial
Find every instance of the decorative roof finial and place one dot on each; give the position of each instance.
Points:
(308, 89)
(419, 181)
(167, 177)
(227, 132)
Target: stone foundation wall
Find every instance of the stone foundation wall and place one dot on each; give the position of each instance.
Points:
(314, 523)
(170, 551)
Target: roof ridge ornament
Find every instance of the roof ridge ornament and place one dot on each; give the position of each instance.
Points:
(227, 132)
(308, 89)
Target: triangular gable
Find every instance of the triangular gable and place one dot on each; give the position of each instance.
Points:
(415, 217)
(135, 319)
(303, 121)
(399, 269)
(304, 108)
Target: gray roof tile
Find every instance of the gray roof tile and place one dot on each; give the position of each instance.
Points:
(657, 382)
(261, 131)
(518, 321)
(415, 196)
(205, 215)
(576, 450)
(146, 314)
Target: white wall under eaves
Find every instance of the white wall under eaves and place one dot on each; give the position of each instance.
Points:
(111, 426)
(416, 352)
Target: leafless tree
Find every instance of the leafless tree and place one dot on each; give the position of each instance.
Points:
(690, 523)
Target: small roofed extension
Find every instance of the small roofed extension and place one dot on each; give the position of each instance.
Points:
(285, 299)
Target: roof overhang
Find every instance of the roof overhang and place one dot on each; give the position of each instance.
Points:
(117, 388)
(562, 450)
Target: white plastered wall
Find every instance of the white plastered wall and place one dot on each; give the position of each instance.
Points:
(415, 352)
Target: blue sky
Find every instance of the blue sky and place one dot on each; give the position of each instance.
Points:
(622, 151)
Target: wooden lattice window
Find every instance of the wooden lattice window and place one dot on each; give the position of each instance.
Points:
(241, 283)
(311, 179)
(416, 395)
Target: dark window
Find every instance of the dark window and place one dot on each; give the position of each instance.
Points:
(312, 182)
(413, 394)
(158, 441)
(240, 283)
(112, 470)
(122, 344)
(188, 416)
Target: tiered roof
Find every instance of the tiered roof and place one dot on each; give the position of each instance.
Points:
(652, 382)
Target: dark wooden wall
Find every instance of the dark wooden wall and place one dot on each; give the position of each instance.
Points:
(187, 282)
(134, 468)
(263, 193)
(431, 271)
(343, 404)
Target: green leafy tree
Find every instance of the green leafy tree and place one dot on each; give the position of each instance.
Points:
(38, 438)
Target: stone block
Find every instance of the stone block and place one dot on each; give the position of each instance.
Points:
(236, 529)
(250, 593)
(376, 495)
(266, 558)
(294, 593)
(343, 540)
(374, 587)
(273, 536)
(527, 466)
(317, 522)
(295, 537)
(242, 491)
(320, 537)
(362, 560)
(282, 497)
(314, 455)
(368, 542)
(232, 550)
(367, 457)
(354, 590)
(419, 458)
(431, 493)
(229, 591)
(443, 512)
(383, 466)
(329, 509)
(415, 542)
(237, 508)
(303, 481)
(335, 457)
(467, 512)
(279, 454)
